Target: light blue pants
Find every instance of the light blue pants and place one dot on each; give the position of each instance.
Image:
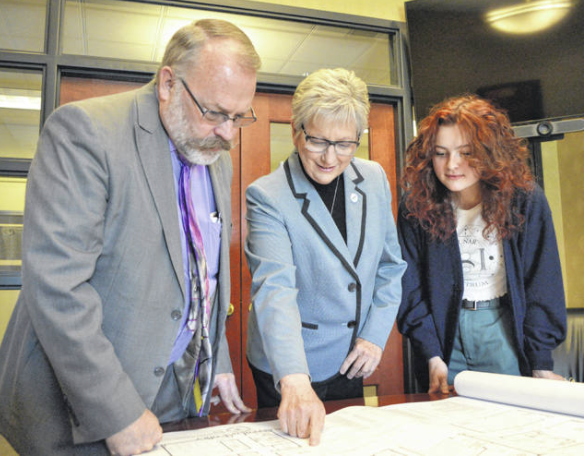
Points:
(484, 342)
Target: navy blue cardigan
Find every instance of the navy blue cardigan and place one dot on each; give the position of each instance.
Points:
(433, 287)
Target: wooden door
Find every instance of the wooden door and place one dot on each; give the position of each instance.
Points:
(388, 378)
(255, 162)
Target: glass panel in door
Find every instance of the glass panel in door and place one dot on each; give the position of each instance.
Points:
(20, 112)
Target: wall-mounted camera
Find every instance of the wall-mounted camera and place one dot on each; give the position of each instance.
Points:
(544, 128)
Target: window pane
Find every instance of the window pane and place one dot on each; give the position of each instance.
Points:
(138, 31)
(363, 149)
(11, 214)
(20, 113)
(22, 25)
(281, 143)
(7, 302)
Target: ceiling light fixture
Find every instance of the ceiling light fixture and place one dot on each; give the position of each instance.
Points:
(20, 99)
(529, 17)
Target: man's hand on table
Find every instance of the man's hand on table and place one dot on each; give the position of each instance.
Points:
(226, 384)
(138, 437)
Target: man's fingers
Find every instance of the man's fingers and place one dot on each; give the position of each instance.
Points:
(241, 406)
(235, 405)
(229, 394)
(238, 402)
(139, 436)
(231, 407)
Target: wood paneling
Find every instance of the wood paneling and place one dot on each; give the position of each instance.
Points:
(74, 88)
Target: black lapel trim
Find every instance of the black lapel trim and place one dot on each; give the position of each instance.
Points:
(360, 178)
(314, 224)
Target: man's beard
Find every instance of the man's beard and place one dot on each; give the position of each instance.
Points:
(196, 151)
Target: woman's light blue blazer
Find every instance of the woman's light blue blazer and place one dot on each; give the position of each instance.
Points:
(313, 294)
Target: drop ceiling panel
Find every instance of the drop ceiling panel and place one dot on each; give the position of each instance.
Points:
(22, 25)
(140, 32)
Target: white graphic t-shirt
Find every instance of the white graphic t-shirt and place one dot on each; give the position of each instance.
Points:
(483, 263)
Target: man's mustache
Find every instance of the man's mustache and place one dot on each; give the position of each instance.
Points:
(214, 143)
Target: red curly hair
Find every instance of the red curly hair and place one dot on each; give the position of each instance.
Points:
(497, 155)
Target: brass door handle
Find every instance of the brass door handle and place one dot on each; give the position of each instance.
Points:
(230, 309)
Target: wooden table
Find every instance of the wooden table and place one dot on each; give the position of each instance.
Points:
(268, 414)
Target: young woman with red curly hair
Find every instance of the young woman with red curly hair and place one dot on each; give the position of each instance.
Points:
(483, 289)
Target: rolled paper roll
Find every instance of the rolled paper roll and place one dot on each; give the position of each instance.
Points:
(536, 393)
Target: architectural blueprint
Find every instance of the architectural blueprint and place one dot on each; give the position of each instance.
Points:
(453, 426)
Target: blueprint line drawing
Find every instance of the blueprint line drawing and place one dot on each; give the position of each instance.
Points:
(455, 426)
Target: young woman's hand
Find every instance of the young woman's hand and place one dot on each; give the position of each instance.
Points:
(438, 376)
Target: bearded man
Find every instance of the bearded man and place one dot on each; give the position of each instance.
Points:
(125, 266)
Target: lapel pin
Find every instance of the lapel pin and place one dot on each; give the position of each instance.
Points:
(354, 197)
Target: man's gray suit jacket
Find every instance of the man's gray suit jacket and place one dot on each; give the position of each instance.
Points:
(102, 275)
